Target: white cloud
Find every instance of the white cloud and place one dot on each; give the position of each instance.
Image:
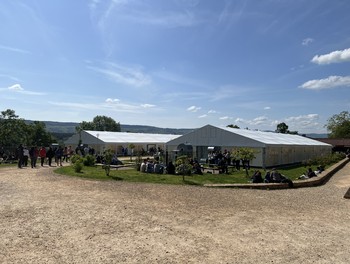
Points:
(203, 116)
(193, 109)
(303, 121)
(258, 120)
(333, 57)
(307, 41)
(328, 83)
(225, 118)
(107, 106)
(111, 101)
(130, 76)
(16, 87)
(267, 108)
(302, 118)
(14, 49)
(212, 112)
(147, 105)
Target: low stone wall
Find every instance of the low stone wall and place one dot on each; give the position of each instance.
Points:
(315, 181)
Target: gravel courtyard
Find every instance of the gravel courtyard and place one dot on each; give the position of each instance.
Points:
(49, 218)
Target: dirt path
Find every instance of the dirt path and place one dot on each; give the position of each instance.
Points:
(47, 218)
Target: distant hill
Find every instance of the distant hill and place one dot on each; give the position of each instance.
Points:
(314, 135)
(66, 129)
(69, 128)
(154, 130)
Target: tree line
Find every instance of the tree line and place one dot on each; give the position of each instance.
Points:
(15, 131)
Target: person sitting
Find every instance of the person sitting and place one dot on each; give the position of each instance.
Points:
(320, 169)
(158, 168)
(279, 178)
(197, 168)
(267, 177)
(276, 176)
(257, 178)
(311, 173)
(170, 168)
(150, 167)
(143, 166)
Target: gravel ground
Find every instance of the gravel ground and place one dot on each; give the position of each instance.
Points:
(48, 218)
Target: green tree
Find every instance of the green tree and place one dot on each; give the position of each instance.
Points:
(108, 156)
(339, 125)
(13, 130)
(282, 128)
(100, 123)
(183, 166)
(244, 154)
(38, 136)
(232, 126)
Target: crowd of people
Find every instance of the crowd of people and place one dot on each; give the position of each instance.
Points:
(310, 173)
(271, 176)
(56, 154)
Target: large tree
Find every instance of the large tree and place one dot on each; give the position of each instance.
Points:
(282, 128)
(15, 131)
(339, 125)
(232, 126)
(100, 123)
(38, 134)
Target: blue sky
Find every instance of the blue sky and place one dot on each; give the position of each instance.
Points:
(177, 63)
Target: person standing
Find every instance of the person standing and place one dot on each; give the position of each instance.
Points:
(42, 155)
(25, 156)
(50, 154)
(33, 153)
(20, 156)
(58, 155)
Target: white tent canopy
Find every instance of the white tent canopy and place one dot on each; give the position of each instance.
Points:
(101, 140)
(272, 149)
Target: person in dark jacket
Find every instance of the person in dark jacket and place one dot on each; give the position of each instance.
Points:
(50, 154)
(20, 155)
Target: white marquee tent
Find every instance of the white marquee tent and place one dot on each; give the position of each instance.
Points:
(272, 149)
(102, 140)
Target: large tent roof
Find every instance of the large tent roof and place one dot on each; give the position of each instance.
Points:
(125, 137)
(225, 136)
(272, 138)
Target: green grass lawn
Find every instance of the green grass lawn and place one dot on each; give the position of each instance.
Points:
(132, 175)
(7, 164)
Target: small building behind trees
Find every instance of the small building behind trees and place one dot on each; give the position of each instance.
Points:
(272, 149)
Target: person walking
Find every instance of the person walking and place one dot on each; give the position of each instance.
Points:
(42, 155)
(50, 154)
(33, 153)
(58, 155)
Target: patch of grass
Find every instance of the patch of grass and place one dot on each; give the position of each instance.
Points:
(132, 175)
(8, 164)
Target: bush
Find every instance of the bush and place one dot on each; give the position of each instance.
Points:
(89, 160)
(182, 166)
(75, 158)
(78, 165)
(325, 160)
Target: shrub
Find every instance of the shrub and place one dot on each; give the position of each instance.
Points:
(75, 158)
(78, 165)
(89, 160)
(325, 160)
(183, 167)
